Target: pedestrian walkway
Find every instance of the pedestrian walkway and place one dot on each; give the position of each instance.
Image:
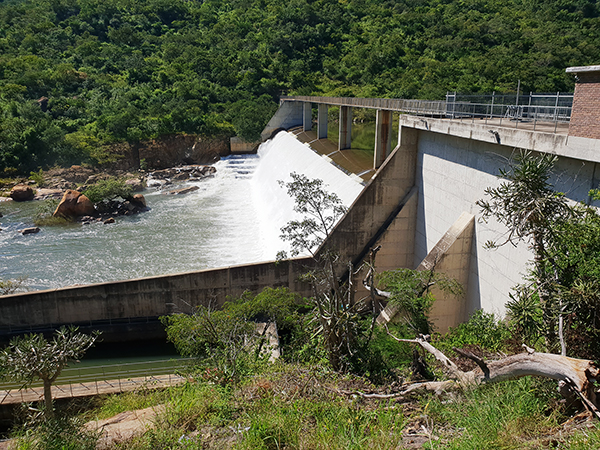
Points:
(74, 390)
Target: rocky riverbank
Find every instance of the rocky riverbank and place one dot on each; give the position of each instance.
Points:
(68, 184)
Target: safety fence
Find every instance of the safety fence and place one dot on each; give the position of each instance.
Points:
(100, 379)
(508, 110)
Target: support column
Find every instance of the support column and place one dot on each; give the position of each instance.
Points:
(451, 256)
(383, 133)
(322, 121)
(345, 140)
(307, 122)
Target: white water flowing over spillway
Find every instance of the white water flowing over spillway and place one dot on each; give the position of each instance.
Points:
(281, 156)
(233, 218)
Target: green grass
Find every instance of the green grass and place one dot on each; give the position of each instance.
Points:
(509, 415)
(299, 407)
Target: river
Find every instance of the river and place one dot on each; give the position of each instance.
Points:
(233, 218)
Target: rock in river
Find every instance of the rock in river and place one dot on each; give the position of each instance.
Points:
(31, 230)
(21, 193)
(183, 190)
(74, 204)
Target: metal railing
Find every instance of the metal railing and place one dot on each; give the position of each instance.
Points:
(110, 372)
(504, 109)
(430, 108)
(511, 109)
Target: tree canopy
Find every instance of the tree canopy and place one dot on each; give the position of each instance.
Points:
(79, 74)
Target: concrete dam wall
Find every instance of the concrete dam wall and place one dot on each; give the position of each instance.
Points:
(420, 206)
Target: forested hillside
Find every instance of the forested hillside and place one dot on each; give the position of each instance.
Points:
(78, 75)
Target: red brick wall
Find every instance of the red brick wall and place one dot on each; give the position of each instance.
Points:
(585, 116)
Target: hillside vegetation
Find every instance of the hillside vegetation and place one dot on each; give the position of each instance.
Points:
(78, 75)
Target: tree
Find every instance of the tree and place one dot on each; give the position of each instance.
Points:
(574, 252)
(320, 212)
(336, 310)
(32, 357)
(528, 206)
(249, 117)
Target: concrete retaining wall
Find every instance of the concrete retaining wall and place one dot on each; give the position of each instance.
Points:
(362, 225)
(452, 174)
(144, 297)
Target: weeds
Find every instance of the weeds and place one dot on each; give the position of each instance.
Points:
(44, 217)
(506, 415)
(57, 434)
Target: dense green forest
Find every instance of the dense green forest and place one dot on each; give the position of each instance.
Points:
(79, 75)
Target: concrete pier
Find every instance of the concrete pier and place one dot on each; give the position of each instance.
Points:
(307, 116)
(383, 135)
(322, 121)
(345, 127)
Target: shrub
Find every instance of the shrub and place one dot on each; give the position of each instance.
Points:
(482, 329)
(38, 177)
(108, 190)
(44, 217)
(227, 342)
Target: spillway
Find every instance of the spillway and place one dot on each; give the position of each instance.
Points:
(233, 218)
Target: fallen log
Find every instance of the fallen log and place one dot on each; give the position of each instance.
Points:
(579, 374)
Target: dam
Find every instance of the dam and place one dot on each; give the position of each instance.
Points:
(419, 205)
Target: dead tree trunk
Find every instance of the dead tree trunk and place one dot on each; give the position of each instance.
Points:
(579, 374)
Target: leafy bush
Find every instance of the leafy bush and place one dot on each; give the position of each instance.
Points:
(38, 177)
(482, 329)
(8, 287)
(412, 296)
(227, 342)
(525, 315)
(108, 190)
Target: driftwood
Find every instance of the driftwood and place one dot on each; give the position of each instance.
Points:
(438, 387)
(579, 374)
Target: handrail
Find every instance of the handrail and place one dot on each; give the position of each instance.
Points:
(540, 108)
(99, 373)
(420, 107)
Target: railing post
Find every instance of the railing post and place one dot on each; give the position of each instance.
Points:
(454, 106)
(556, 111)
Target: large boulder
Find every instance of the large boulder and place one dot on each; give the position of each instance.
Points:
(139, 201)
(74, 204)
(22, 193)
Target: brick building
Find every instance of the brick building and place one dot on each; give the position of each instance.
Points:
(585, 116)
